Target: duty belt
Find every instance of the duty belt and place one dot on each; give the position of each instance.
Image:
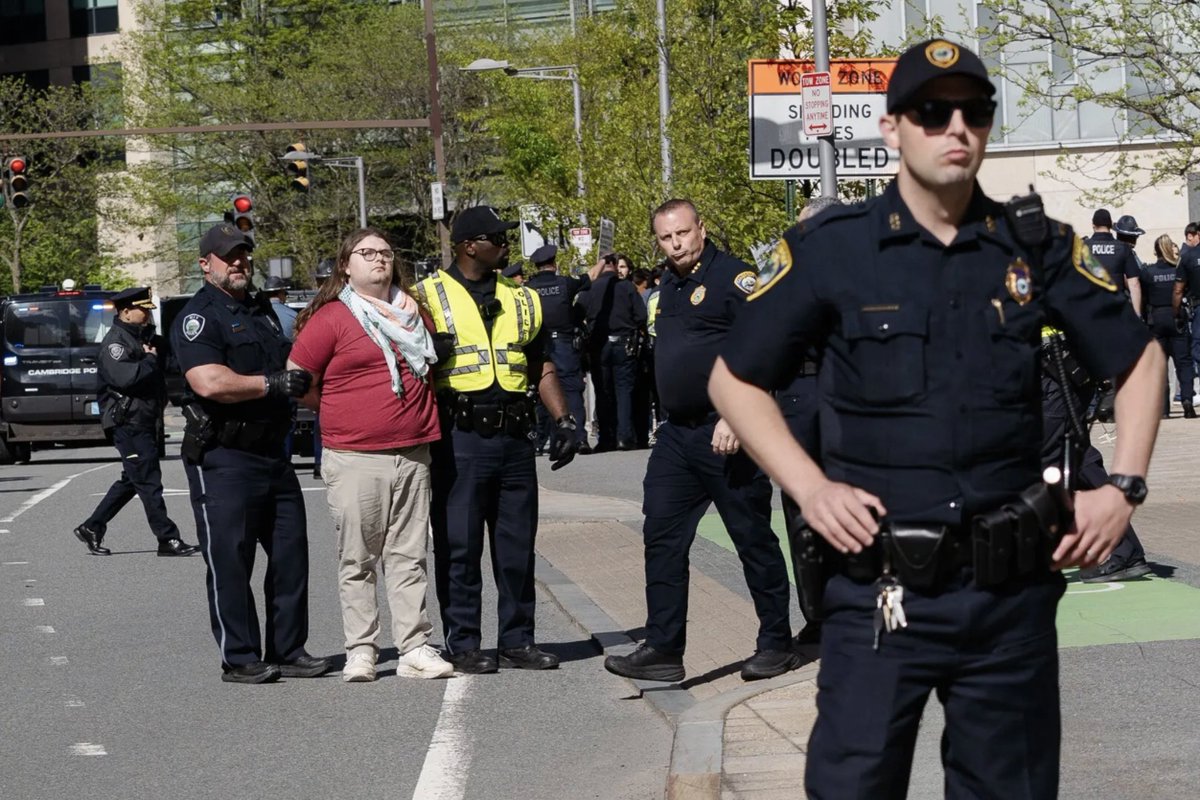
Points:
(693, 420)
(514, 417)
(254, 437)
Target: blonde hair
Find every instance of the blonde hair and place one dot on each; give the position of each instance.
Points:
(1166, 249)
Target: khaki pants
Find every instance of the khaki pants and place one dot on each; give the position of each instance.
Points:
(380, 507)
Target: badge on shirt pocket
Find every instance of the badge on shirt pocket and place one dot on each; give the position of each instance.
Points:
(1018, 279)
(698, 296)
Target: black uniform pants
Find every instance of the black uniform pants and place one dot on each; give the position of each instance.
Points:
(141, 475)
(799, 408)
(683, 477)
(1176, 346)
(484, 482)
(615, 374)
(989, 654)
(242, 500)
(570, 377)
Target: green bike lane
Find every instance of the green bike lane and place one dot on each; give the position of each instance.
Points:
(1149, 609)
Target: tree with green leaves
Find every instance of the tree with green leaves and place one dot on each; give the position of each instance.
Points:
(1137, 59)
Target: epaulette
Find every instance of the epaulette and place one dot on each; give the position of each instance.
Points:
(831, 215)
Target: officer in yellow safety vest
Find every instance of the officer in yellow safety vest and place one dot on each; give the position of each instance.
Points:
(489, 342)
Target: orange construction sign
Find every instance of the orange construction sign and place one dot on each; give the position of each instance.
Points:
(850, 75)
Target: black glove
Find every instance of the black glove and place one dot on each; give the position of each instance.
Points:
(288, 383)
(443, 346)
(564, 442)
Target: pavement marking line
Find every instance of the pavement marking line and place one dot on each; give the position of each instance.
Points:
(15, 563)
(44, 493)
(45, 629)
(30, 602)
(59, 661)
(88, 749)
(72, 702)
(1106, 587)
(447, 763)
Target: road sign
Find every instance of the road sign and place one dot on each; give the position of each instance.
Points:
(581, 240)
(779, 147)
(608, 230)
(816, 103)
(437, 200)
(531, 230)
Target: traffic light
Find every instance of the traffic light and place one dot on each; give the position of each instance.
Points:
(242, 215)
(17, 177)
(298, 168)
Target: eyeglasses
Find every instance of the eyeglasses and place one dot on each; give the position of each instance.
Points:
(500, 238)
(371, 255)
(936, 113)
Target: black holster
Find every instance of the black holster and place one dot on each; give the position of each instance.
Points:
(121, 407)
(1019, 537)
(812, 560)
(199, 433)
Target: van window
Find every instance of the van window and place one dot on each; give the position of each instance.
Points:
(57, 323)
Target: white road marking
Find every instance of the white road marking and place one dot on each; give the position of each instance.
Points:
(1103, 587)
(15, 563)
(59, 661)
(88, 749)
(72, 702)
(448, 760)
(179, 492)
(4, 530)
(34, 601)
(45, 629)
(44, 493)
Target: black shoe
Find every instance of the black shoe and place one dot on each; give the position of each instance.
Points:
(1114, 570)
(317, 472)
(627, 446)
(175, 547)
(1189, 412)
(527, 657)
(305, 666)
(768, 664)
(811, 634)
(647, 664)
(255, 672)
(92, 539)
(472, 662)
(584, 449)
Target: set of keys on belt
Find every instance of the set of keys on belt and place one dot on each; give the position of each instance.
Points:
(889, 606)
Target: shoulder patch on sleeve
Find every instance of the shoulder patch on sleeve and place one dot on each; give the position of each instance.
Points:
(116, 351)
(192, 325)
(1087, 266)
(779, 265)
(746, 281)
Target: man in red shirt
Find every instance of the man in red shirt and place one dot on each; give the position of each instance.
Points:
(368, 349)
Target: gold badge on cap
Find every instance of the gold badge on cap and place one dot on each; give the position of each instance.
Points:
(698, 296)
(1019, 281)
(942, 54)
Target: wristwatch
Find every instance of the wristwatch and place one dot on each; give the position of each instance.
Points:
(1134, 487)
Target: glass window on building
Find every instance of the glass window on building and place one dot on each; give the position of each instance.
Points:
(90, 17)
(22, 21)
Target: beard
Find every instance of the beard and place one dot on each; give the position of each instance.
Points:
(233, 282)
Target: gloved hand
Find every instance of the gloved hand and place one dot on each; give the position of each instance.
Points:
(564, 442)
(288, 383)
(443, 346)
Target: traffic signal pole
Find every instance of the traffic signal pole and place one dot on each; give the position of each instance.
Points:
(435, 123)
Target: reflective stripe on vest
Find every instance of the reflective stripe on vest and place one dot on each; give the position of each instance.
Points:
(477, 362)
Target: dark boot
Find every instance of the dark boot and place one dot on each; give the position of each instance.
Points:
(92, 539)
(1189, 412)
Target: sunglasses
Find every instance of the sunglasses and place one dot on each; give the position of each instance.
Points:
(936, 113)
(500, 238)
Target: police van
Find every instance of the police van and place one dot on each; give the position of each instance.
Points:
(49, 379)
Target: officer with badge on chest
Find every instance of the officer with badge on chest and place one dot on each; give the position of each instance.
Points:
(696, 461)
(944, 539)
(491, 351)
(244, 491)
(132, 396)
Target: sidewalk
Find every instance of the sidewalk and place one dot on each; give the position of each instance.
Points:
(747, 741)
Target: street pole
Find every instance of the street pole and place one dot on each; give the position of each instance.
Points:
(578, 99)
(664, 95)
(435, 124)
(362, 193)
(824, 143)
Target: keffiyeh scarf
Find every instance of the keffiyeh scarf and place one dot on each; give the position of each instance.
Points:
(395, 326)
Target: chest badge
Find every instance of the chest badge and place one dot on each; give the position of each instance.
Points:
(192, 325)
(116, 351)
(698, 296)
(1019, 281)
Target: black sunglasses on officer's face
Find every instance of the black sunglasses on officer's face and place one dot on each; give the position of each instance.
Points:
(936, 113)
(500, 238)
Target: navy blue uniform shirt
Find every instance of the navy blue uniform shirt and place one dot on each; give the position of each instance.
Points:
(1189, 268)
(1115, 256)
(695, 313)
(614, 308)
(930, 395)
(244, 335)
(558, 294)
(1158, 283)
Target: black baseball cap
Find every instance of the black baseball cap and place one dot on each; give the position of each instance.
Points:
(933, 58)
(137, 297)
(470, 223)
(220, 240)
(1102, 219)
(544, 254)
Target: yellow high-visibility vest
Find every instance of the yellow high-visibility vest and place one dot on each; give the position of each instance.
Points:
(479, 361)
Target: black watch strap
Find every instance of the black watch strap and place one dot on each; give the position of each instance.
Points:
(1133, 486)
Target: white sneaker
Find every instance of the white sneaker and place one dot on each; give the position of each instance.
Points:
(424, 662)
(360, 668)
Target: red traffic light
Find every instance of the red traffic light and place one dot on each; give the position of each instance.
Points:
(17, 165)
(242, 204)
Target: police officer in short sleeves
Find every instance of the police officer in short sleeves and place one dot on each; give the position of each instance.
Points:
(928, 312)
(244, 491)
(696, 461)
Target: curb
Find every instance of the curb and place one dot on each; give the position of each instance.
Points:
(699, 743)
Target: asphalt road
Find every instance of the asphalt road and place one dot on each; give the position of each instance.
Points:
(111, 681)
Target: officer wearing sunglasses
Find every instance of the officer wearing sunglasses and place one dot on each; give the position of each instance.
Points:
(927, 307)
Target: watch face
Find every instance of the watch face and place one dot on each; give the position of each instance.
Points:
(1133, 486)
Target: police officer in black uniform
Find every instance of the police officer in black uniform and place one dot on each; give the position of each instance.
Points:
(927, 304)
(1162, 286)
(132, 396)
(558, 293)
(1189, 266)
(1117, 255)
(616, 317)
(696, 461)
(244, 491)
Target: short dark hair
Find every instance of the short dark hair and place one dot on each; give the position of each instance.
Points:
(1192, 229)
(673, 204)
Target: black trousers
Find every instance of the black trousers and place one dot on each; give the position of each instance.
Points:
(1177, 346)
(799, 406)
(242, 500)
(570, 377)
(683, 477)
(141, 475)
(615, 374)
(483, 483)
